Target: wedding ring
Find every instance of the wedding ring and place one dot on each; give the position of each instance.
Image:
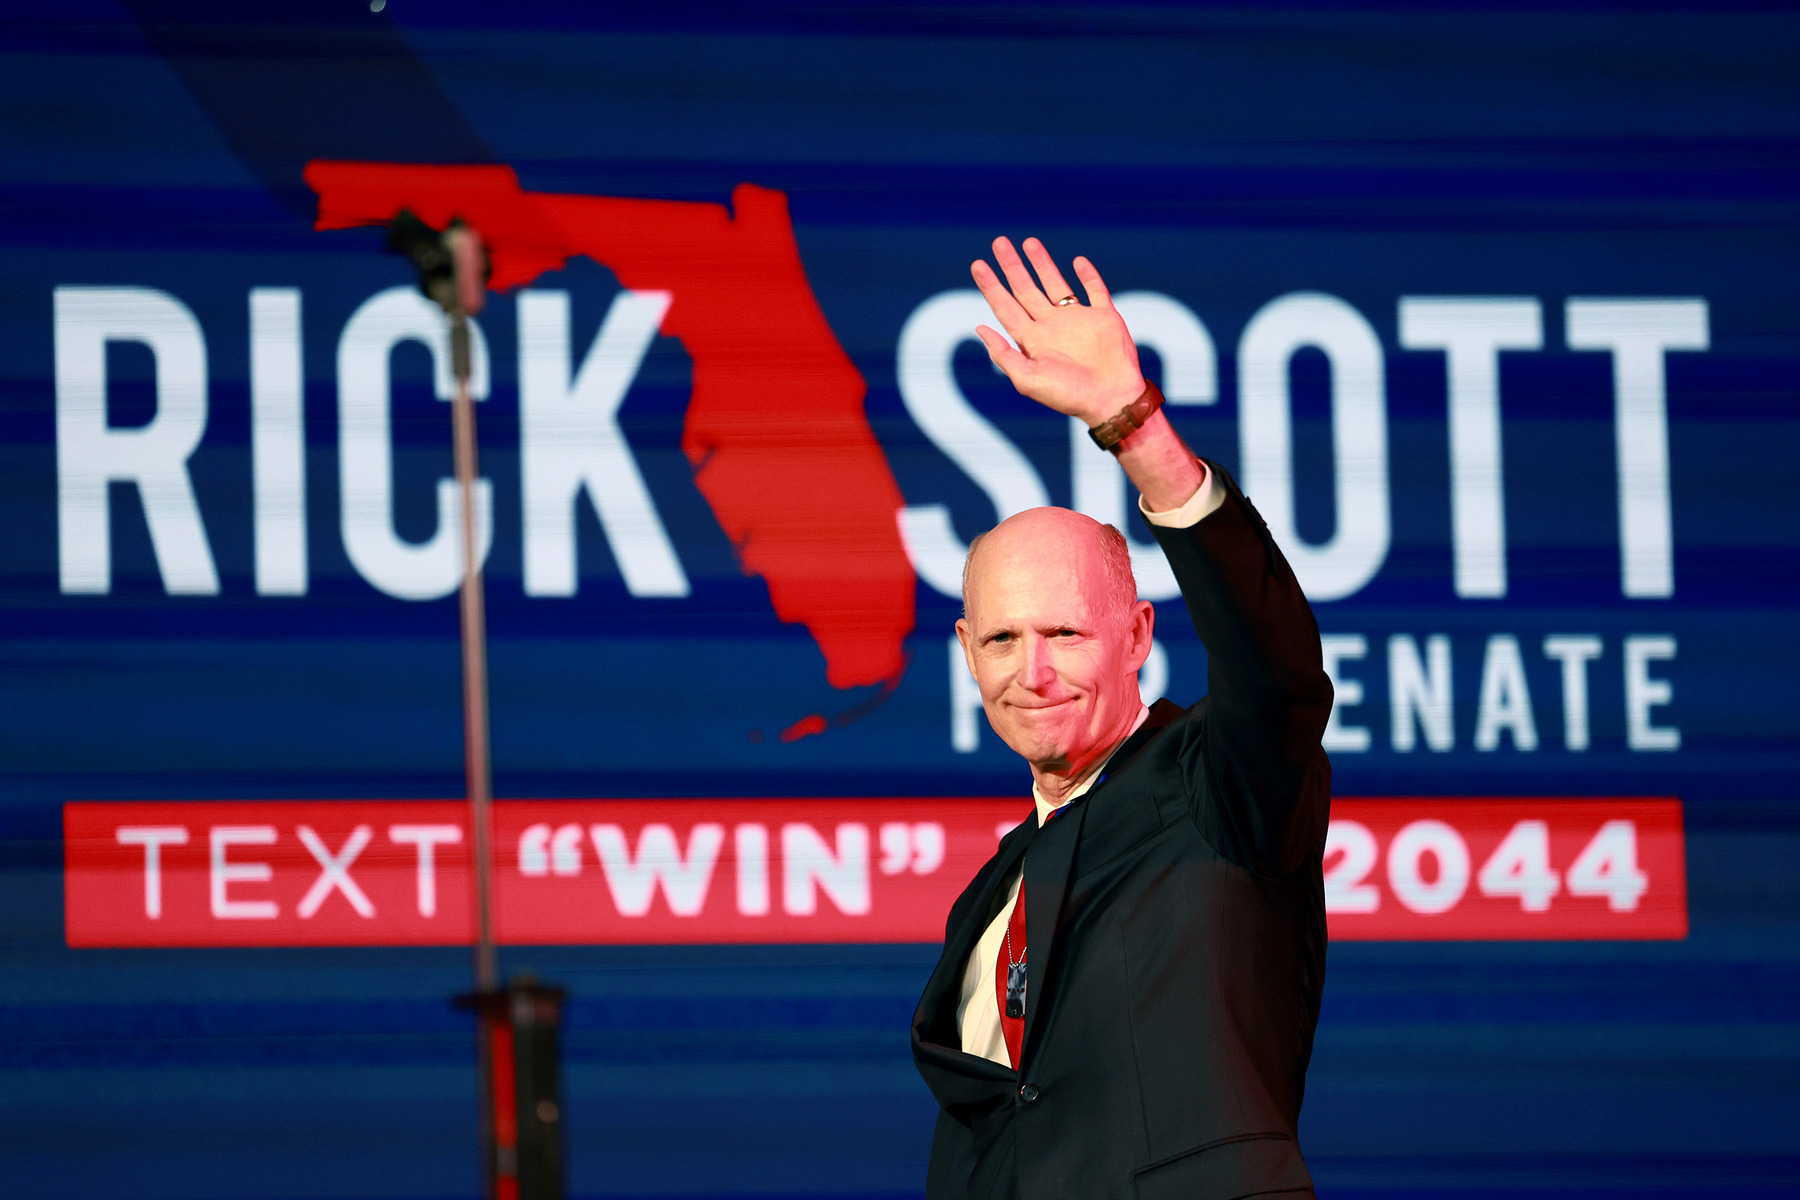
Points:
(1066, 301)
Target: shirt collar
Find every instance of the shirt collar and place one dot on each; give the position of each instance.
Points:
(1045, 807)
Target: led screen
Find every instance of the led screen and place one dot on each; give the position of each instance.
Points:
(1489, 309)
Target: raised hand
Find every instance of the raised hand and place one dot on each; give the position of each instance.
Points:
(1076, 358)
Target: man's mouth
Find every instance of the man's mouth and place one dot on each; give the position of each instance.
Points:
(1040, 705)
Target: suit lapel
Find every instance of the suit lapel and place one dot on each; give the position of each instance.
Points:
(1049, 860)
(1051, 855)
(984, 905)
(1048, 855)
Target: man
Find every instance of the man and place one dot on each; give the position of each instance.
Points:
(1128, 991)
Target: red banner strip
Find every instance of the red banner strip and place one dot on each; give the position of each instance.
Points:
(1506, 870)
(593, 872)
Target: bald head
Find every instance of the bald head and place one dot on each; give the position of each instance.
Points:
(1054, 634)
(1060, 535)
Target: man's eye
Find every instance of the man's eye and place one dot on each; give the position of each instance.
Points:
(1001, 638)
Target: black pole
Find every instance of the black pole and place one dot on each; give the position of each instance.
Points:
(521, 1102)
(476, 770)
(522, 1022)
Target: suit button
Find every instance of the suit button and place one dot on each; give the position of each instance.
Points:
(1028, 1093)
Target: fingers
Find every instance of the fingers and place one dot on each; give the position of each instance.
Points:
(1095, 287)
(1054, 285)
(1014, 318)
(1008, 359)
(1025, 303)
(1024, 288)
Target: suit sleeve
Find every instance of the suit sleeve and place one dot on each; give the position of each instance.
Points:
(1255, 771)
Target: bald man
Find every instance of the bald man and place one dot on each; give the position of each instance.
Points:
(1127, 995)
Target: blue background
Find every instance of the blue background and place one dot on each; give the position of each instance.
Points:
(1222, 156)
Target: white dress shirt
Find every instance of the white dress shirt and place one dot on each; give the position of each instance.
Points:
(978, 1009)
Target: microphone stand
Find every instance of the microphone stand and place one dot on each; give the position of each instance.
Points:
(517, 1044)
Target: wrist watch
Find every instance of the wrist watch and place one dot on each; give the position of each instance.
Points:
(1109, 433)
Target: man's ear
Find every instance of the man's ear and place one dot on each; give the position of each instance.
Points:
(1142, 630)
(966, 638)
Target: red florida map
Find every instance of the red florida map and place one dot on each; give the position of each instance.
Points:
(775, 428)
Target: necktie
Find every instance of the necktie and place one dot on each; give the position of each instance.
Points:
(1009, 981)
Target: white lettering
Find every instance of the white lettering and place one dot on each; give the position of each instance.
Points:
(633, 881)
(896, 847)
(918, 847)
(225, 873)
(752, 844)
(1472, 331)
(1345, 890)
(1638, 333)
(426, 838)
(90, 454)
(1520, 866)
(570, 440)
(1574, 652)
(152, 838)
(809, 865)
(928, 847)
(1342, 565)
(1642, 693)
(534, 851)
(1608, 866)
(542, 851)
(1414, 690)
(565, 850)
(278, 441)
(1405, 868)
(427, 570)
(1336, 649)
(334, 872)
(925, 366)
(1505, 697)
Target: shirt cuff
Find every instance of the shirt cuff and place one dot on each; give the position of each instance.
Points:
(1199, 506)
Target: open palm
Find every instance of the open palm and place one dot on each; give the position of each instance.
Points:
(1076, 358)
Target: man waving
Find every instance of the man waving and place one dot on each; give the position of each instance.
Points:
(1128, 991)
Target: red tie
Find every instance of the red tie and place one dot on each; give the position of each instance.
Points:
(1012, 953)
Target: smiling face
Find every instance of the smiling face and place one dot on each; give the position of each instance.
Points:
(1054, 646)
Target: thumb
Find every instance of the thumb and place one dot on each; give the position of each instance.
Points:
(1004, 354)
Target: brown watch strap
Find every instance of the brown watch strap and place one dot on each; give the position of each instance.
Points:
(1128, 420)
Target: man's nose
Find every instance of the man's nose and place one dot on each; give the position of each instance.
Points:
(1037, 672)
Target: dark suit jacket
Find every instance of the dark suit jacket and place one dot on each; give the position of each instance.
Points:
(1177, 925)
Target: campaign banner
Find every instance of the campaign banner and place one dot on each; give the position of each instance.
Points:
(604, 872)
(336, 873)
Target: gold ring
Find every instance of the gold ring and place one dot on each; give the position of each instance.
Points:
(1066, 301)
